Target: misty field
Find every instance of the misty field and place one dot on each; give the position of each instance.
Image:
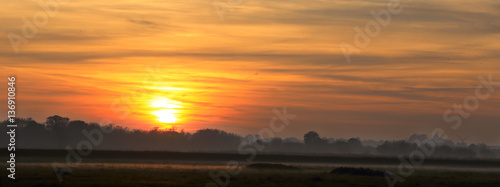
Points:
(103, 174)
(108, 168)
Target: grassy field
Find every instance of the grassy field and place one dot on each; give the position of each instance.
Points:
(164, 175)
(131, 171)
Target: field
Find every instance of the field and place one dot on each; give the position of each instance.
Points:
(132, 169)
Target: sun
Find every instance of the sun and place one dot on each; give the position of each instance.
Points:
(164, 109)
(165, 116)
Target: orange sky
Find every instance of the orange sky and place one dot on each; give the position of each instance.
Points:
(96, 59)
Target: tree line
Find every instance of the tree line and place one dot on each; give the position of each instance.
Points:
(58, 132)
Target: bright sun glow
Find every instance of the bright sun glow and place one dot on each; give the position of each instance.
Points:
(165, 109)
(165, 115)
(164, 103)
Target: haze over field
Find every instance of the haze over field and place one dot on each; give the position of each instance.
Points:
(149, 63)
(62, 133)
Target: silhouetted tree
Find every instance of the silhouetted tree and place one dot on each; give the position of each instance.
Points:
(210, 139)
(315, 143)
(57, 125)
(311, 137)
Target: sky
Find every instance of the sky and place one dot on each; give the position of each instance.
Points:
(192, 65)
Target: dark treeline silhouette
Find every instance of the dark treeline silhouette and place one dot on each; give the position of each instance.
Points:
(59, 132)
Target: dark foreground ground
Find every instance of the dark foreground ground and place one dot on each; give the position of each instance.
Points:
(145, 169)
